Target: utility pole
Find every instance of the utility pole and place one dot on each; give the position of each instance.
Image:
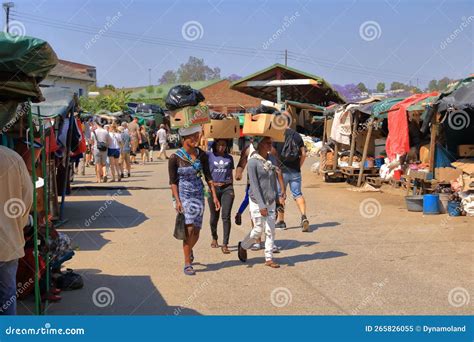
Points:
(149, 76)
(286, 57)
(6, 7)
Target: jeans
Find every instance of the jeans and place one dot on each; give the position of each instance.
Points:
(226, 196)
(8, 287)
(293, 178)
(245, 202)
(261, 224)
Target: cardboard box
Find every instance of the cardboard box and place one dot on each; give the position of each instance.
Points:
(447, 174)
(263, 125)
(190, 116)
(466, 150)
(222, 129)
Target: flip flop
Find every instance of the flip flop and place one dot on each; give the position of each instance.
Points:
(225, 250)
(272, 264)
(189, 270)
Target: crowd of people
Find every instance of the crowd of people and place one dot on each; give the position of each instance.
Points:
(271, 167)
(113, 148)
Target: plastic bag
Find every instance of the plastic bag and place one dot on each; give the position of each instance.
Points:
(182, 96)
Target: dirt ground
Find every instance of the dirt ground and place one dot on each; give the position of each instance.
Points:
(365, 255)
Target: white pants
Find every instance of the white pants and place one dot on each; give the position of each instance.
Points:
(163, 147)
(261, 224)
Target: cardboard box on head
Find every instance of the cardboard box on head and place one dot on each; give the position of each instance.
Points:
(265, 125)
(222, 129)
(190, 116)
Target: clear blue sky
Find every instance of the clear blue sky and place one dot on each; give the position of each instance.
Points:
(411, 43)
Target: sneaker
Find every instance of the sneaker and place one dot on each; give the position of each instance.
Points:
(256, 247)
(304, 223)
(280, 225)
(276, 249)
(242, 253)
(238, 219)
(121, 175)
(105, 179)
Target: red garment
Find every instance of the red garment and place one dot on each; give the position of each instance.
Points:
(398, 141)
(51, 145)
(82, 143)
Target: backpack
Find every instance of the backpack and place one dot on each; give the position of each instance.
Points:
(290, 151)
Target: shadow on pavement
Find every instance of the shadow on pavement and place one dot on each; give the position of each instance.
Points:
(104, 294)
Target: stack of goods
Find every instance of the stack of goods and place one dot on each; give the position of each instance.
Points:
(186, 107)
(265, 125)
(313, 145)
(222, 126)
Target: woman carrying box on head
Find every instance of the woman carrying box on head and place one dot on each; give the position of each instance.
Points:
(186, 168)
(263, 193)
(221, 165)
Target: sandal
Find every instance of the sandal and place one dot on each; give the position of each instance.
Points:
(189, 270)
(272, 264)
(225, 249)
(214, 244)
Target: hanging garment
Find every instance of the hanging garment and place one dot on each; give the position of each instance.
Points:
(398, 142)
(341, 125)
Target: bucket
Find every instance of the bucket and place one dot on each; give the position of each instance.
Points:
(443, 203)
(414, 203)
(397, 174)
(379, 162)
(454, 208)
(431, 204)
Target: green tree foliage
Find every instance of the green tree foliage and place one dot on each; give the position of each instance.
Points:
(380, 87)
(113, 103)
(193, 70)
(362, 88)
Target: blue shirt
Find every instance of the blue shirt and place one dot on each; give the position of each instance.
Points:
(221, 167)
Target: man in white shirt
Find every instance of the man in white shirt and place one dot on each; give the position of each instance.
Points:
(100, 138)
(16, 197)
(162, 138)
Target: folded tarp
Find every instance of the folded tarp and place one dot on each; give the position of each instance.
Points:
(58, 102)
(24, 63)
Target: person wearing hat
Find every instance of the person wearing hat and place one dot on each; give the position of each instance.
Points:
(186, 168)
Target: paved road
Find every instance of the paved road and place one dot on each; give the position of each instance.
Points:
(350, 263)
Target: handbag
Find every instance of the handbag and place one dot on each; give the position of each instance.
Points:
(101, 146)
(180, 227)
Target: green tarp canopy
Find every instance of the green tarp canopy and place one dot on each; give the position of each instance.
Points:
(24, 63)
(422, 105)
(380, 110)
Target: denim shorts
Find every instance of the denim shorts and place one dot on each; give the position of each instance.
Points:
(293, 178)
(113, 152)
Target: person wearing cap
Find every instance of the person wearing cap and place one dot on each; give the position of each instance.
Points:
(186, 168)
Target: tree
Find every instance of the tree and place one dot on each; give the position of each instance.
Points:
(433, 85)
(150, 89)
(349, 91)
(196, 70)
(380, 87)
(234, 77)
(115, 102)
(362, 88)
(169, 77)
(398, 85)
(443, 83)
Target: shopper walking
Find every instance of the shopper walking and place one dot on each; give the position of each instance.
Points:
(133, 130)
(292, 154)
(125, 149)
(162, 139)
(221, 165)
(100, 143)
(16, 198)
(186, 168)
(113, 152)
(144, 144)
(263, 195)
